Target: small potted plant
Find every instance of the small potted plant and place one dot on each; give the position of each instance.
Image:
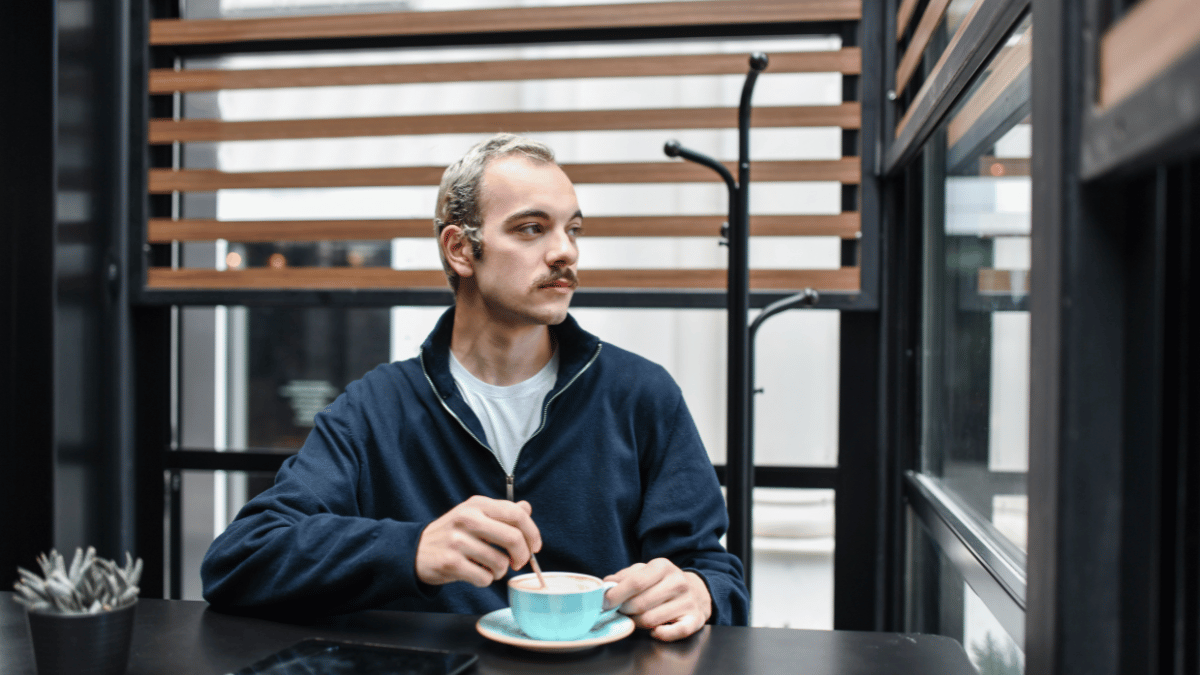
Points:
(80, 617)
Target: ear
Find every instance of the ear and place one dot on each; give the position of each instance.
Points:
(458, 251)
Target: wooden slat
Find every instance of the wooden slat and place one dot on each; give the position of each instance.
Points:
(335, 278)
(926, 87)
(522, 19)
(844, 279)
(844, 115)
(1003, 281)
(843, 225)
(847, 61)
(324, 278)
(1004, 166)
(1007, 67)
(903, 16)
(920, 40)
(164, 230)
(1152, 36)
(161, 181)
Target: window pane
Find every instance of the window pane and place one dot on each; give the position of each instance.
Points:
(209, 500)
(796, 416)
(976, 272)
(942, 602)
(793, 559)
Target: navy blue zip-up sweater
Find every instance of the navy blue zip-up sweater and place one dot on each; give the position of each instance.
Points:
(616, 474)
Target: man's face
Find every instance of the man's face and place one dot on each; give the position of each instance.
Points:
(531, 219)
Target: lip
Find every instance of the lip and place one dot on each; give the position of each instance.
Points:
(559, 286)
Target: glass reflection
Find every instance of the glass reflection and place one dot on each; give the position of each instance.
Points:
(975, 323)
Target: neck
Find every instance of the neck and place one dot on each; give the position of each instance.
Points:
(497, 352)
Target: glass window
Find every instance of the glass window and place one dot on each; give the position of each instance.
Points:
(793, 559)
(252, 377)
(948, 606)
(975, 317)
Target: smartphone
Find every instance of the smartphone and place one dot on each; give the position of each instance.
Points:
(329, 657)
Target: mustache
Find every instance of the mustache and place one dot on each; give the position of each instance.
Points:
(558, 274)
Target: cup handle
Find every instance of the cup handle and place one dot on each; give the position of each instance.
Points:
(607, 614)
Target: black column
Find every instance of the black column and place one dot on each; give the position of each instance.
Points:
(27, 182)
(866, 509)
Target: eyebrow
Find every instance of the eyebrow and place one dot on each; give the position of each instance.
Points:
(537, 213)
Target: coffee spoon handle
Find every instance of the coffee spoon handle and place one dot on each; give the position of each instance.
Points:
(537, 569)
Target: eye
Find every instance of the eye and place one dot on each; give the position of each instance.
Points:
(529, 228)
(575, 230)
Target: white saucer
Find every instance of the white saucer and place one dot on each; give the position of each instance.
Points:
(502, 627)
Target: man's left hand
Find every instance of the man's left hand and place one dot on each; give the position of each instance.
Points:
(658, 595)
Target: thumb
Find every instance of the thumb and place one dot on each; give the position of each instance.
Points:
(526, 506)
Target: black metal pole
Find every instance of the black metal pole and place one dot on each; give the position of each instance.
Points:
(806, 298)
(739, 461)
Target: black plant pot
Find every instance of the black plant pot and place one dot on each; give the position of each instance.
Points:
(91, 644)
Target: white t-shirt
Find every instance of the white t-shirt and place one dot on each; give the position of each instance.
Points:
(510, 415)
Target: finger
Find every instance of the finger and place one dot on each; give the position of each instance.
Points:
(665, 591)
(457, 565)
(620, 574)
(634, 580)
(503, 535)
(660, 581)
(488, 558)
(667, 612)
(680, 629)
(516, 515)
(473, 573)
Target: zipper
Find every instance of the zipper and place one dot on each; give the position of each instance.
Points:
(546, 410)
(509, 478)
(452, 413)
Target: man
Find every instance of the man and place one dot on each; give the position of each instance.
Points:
(405, 494)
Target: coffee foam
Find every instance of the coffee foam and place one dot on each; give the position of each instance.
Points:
(558, 584)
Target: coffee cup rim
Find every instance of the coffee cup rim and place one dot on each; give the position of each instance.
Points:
(557, 575)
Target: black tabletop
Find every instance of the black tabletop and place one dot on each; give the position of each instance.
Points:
(183, 637)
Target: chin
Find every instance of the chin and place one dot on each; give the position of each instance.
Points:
(552, 316)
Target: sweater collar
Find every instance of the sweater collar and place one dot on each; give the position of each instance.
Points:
(576, 346)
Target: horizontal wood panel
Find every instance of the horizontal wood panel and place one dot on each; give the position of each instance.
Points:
(335, 278)
(1003, 281)
(1152, 36)
(163, 230)
(166, 80)
(903, 16)
(1004, 166)
(522, 19)
(844, 115)
(162, 181)
(1008, 65)
(920, 40)
(937, 71)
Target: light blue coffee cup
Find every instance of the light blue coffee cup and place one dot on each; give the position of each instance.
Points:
(572, 606)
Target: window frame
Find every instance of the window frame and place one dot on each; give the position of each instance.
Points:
(990, 564)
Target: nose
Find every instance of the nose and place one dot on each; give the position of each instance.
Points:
(562, 250)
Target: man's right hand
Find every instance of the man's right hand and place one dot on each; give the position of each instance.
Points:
(461, 545)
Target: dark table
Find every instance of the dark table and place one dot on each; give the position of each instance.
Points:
(183, 637)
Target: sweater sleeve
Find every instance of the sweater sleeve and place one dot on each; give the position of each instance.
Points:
(302, 546)
(683, 512)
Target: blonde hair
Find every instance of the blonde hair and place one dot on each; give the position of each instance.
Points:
(459, 194)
